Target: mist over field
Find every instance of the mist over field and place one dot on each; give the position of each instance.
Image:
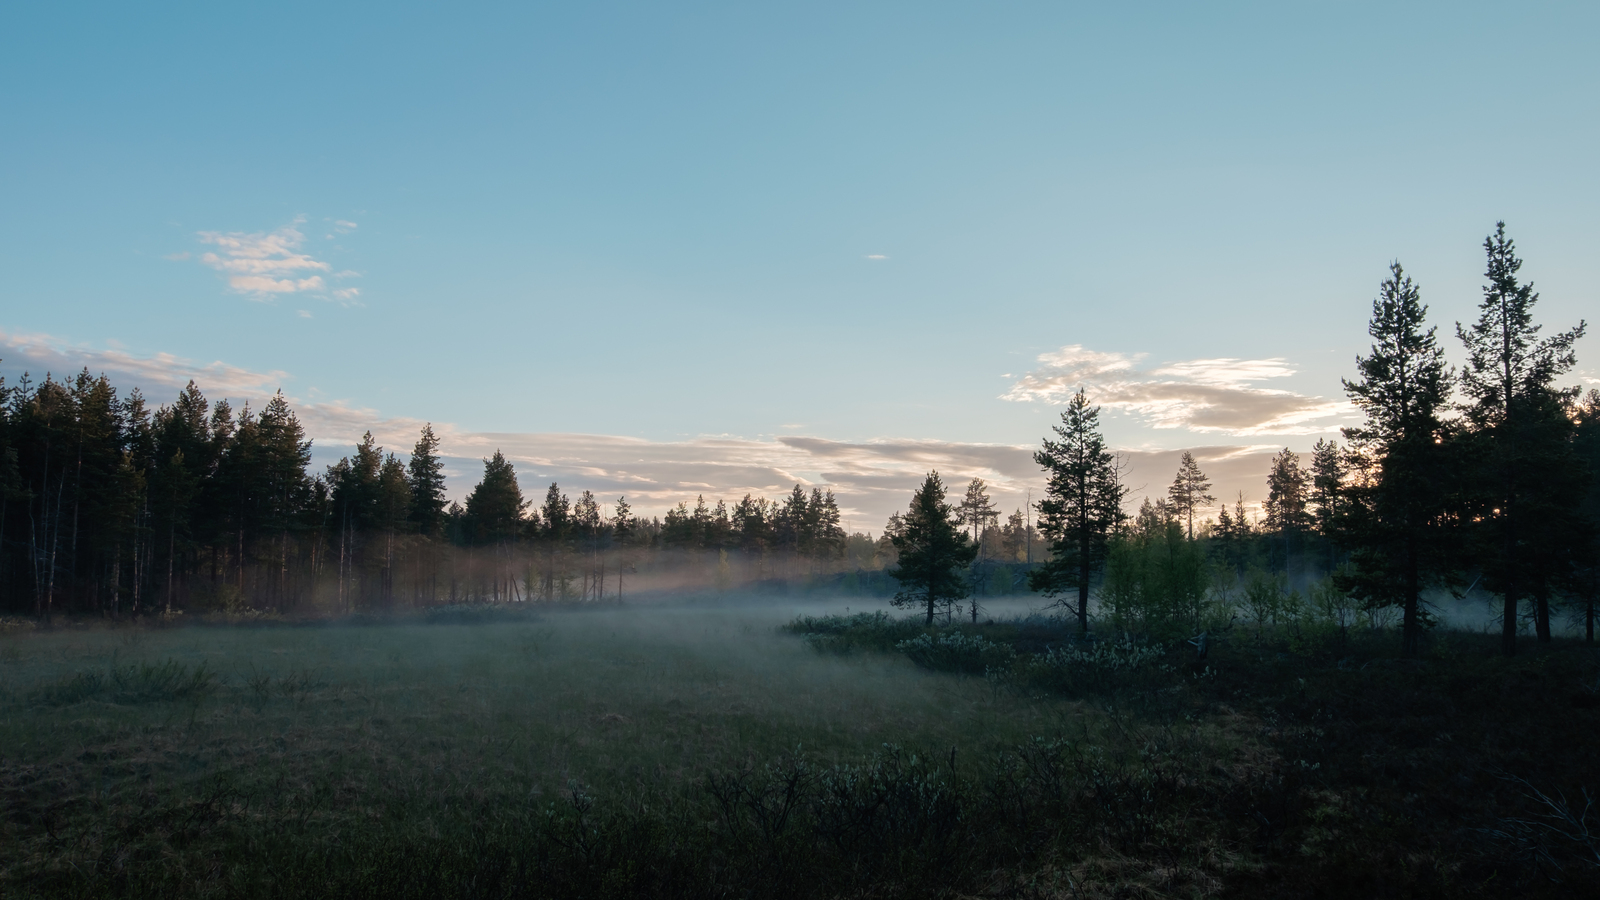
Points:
(811, 451)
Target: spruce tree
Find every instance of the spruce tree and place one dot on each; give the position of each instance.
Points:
(1082, 505)
(1395, 519)
(1190, 491)
(1520, 440)
(933, 552)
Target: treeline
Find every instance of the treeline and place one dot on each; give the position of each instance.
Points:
(1478, 480)
(108, 506)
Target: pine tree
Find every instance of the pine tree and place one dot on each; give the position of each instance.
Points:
(623, 527)
(1327, 477)
(1586, 574)
(282, 484)
(1396, 518)
(1288, 487)
(933, 552)
(976, 510)
(426, 472)
(495, 507)
(1190, 491)
(827, 538)
(1520, 437)
(1082, 505)
(556, 516)
(495, 514)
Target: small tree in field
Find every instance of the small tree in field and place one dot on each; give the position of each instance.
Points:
(934, 552)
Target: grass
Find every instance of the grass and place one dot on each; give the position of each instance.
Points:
(707, 752)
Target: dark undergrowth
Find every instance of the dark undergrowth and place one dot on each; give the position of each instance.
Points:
(1272, 768)
(1458, 774)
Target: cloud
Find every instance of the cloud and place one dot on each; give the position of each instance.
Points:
(347, 296)
(265, 264)
(876, 256)
(1203, 395)
(303, 313)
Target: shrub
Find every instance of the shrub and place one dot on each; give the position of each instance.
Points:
(957, 652)
(847, 634)
(1097, 667)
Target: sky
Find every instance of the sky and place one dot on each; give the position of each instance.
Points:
(710, 248)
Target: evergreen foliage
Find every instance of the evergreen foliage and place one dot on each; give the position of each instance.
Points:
(1518, 444)
(1396, 521)
(1082, 505)
(933, 552)
(1190, 491)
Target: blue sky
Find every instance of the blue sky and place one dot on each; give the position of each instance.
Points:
(665, 226)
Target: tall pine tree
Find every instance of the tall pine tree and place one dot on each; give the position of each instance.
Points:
(1189, 492)
(1082, 505)
(1519, 440)
(1396, 518)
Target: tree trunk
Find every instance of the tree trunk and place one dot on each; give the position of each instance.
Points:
(1508, 623)
(1083, 588)
(1541, 615)
(1410, 627)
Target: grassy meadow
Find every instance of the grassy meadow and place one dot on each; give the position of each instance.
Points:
(755, 751)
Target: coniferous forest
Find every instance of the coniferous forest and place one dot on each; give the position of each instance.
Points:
(1477, 479)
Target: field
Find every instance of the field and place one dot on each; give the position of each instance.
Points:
(707, 751)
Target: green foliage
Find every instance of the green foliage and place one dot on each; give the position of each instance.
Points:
(1267, 600)
(1082, 505)
(1157, 582)
(933, 552)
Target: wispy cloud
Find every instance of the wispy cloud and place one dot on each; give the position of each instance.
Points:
(264, 265)
(1203, 395)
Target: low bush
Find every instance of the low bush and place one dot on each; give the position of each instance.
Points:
(876, 631)
(954, 651)
(1094, 667)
